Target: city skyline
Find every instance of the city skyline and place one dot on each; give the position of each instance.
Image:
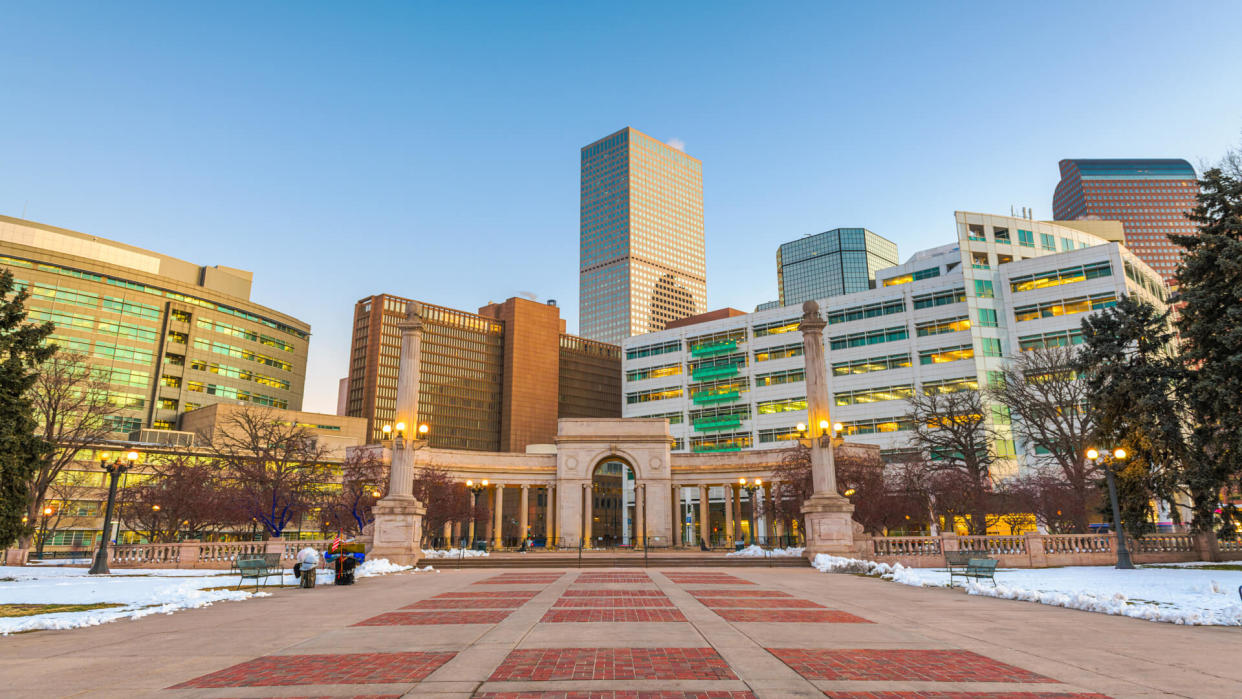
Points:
(292, 155)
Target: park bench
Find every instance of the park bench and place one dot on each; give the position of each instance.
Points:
(271, 559)
(978, 568)
(956, 562)
(257, 567)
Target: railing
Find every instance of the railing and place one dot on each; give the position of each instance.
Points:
(994, 545)
(701, 398)
(717, 423)
(708, 349)
(714, 372)
(906, 546)
(1164, 543)
(227, 551)
(1229, 544)
(291, 548)
(1077, 543)
(144, 554)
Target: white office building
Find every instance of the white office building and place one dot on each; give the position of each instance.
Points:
(941, 321)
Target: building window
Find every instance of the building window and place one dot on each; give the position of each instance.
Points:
(781, 352)
(872, 337)
(938, 327)
(654, 372)
(171, 381)
(1001, 235)
(944, 355)
(1026, 238)
(182, 316)
(1047, 242)
(939, 298)
(653, 395)
(168, 404)
(991, 347)
(780, 405)
(779, 377)
(968, 383)
(874, 395)
(866, 366)
(177, 337)
(987, 317)
(1056, 277)
(983, 289)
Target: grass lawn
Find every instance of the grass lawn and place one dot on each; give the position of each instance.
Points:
(11, 610)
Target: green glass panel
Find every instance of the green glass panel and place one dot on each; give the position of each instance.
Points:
(714, 348)
(715, 372)
(717, 423)
(705, 398)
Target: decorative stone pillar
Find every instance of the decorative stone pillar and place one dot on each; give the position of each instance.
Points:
(549, 512)
(448, 533)
(640, 515)
(827, 515)
(705, 516)
(398, 529)
(523, 515)
(738, 515)
(675, 509)
(588, 516)
(456, 540)
(728, 509)
(769, 520)
(498, 520)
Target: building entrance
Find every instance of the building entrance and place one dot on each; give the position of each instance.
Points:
(612, 490)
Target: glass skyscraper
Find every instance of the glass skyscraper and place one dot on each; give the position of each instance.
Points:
(832, 263)
(643, 258)
(1149, 197)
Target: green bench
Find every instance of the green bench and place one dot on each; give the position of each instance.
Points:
(978, 569)
(257, 568)
(956, 562)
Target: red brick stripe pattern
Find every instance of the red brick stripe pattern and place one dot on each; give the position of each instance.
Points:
(619, 694)
(436, 618)
(468, 603)
(595, 592)
(613, 602)
(560, 616)
(706, 579)
(350, 668)
(901, 665)
(960, 695)
(790, 616)
(489, 594)
(738, 593)
(758, 603)
(552, 664)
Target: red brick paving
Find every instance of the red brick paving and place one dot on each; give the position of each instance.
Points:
(559, 616)
(350, 668)
(790, 616)
(486, 594)
(618, 694)
(548, 664)
(753, 603)
(588, 578)
(436, 618)
(468, 603)
(706, 579)
(596, 592)
(738, 593)
(901, 665)
(355, 696)
(613, 602)
(513, 579)
(961, 695)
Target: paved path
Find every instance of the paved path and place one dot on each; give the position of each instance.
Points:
(626, 633)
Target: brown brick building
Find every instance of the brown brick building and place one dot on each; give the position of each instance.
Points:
(496, 380)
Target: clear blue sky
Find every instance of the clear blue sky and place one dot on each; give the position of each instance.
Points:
(431, 150)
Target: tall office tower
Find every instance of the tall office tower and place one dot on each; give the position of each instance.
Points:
(642, 258)
(166, 335)
(496, 380)
(835, 262)
(1149, 197)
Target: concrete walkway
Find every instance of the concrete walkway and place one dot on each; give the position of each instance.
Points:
(622, 633)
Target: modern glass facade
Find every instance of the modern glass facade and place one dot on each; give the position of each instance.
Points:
(642, 249)
(832, 263)
(1149, 197)
(167, 336)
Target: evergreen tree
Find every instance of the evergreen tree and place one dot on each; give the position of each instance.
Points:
(1210, 324)
(22, 350)
(1133, 379)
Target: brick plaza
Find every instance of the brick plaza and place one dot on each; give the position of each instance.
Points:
(625, 634)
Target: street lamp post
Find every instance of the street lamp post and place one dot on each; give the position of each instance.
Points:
(114, 470)
(475, 489)
(750, 488)
(1099, 459)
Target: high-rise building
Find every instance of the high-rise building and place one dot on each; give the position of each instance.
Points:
(947, 319)
(1149, 197)
(496, 380)
(835, 262)
(167, 335)
(643, 260)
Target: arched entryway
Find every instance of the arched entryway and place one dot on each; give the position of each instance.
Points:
(613, 511)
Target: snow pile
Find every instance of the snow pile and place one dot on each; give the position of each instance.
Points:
(453, 553)
(753, 551)
(382, 566)
(139, 592)
(1176, 595)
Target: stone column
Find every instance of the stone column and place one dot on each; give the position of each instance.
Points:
(675, 508)
(549, 511)
(523, 515)
(588, 516)
(398, 529)
(769, 522)
(448, 533)
(705, 516)
(640, 515)
(738, 515)
(456, 534)
(498, 494)
(728, 508)
(829, 525)
(470, 535)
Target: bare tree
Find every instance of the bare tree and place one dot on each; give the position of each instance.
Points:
(277, 468)
(446, 499)
(61, 505)
(184, 495)
(71, 406)
(794, 484)
(951, 430)
(1047, 400)
(364, 480)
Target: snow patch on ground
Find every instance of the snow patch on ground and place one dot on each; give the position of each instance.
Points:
(382, 566)
(453, 553)
(753, 551)
(1180, 595)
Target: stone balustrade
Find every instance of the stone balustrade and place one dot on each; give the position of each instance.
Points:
(199, 554)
